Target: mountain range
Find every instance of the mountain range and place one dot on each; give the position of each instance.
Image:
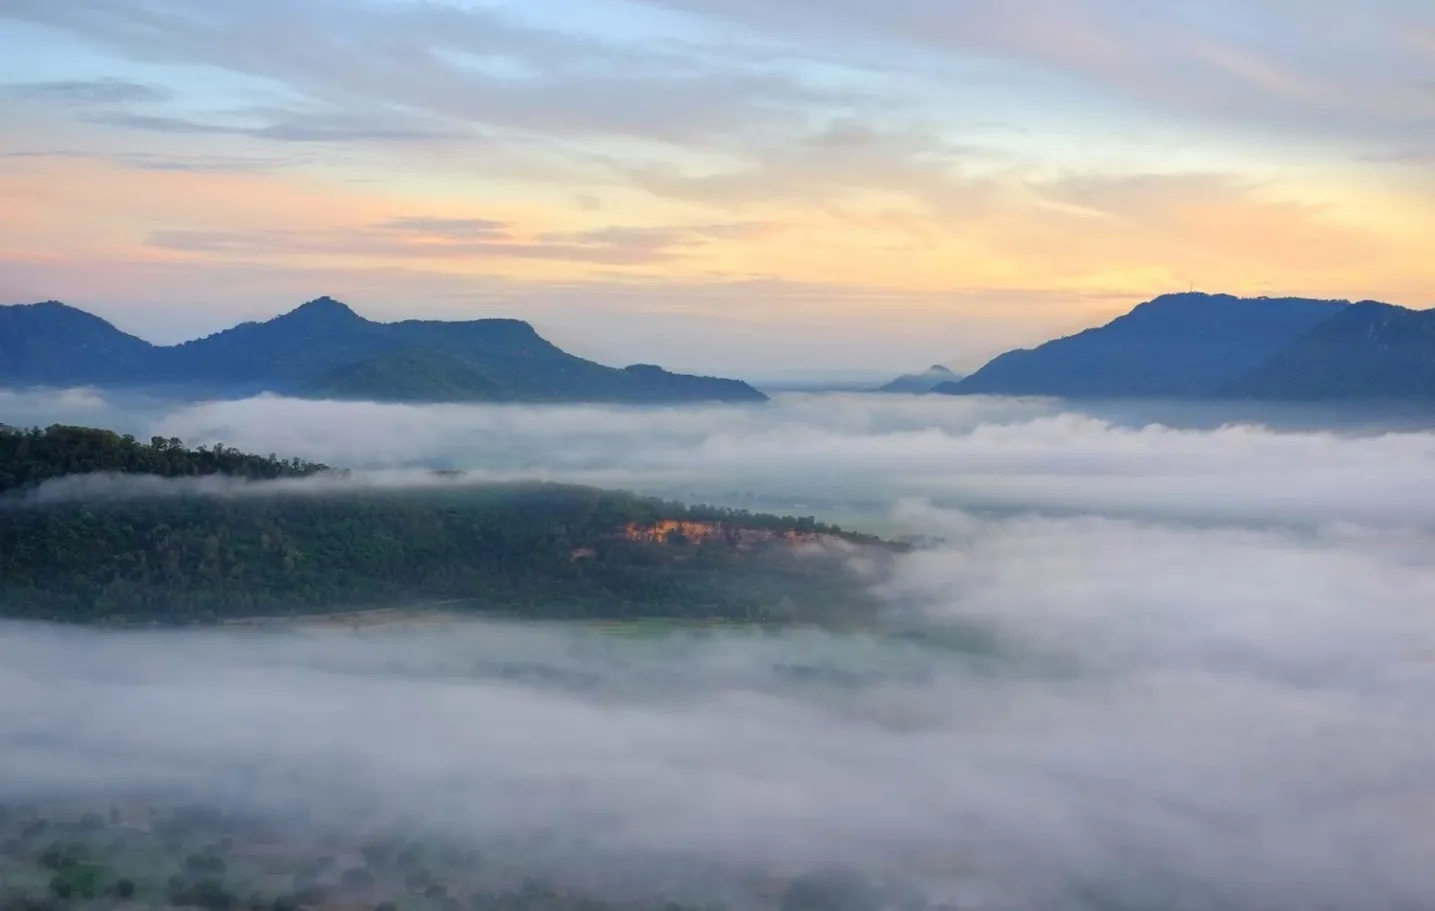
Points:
(1223, 347)
(1211, 346)
(325, 349)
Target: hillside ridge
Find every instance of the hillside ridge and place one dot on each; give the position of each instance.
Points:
(324, 349)
(187, 553)
(1210, 346)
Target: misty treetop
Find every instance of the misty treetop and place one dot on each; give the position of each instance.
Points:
(30, 457)
(534, 549)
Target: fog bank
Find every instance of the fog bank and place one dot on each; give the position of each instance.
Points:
(1146, 666)
(840, 454)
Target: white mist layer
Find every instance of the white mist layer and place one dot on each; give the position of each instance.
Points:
(833, 453)
(1190, 668)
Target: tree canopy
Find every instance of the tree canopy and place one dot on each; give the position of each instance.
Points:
(534, 549)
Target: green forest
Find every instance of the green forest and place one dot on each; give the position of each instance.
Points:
(29, 457)
(540, 550)
(154, 855)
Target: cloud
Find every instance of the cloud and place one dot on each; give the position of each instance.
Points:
(147, 161)
(447, 62)
(460, 238)
(112, 488)
(658, 239)
(1413, 157)
(1264, 66)
(453, 228)
(830, 165)
(990, 454)
(855, 455)
(320, 127)
(94, 92)
(1132, 732)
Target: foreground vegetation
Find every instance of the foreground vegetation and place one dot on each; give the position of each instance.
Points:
(30, 457)
(541, 550)
(138, 854)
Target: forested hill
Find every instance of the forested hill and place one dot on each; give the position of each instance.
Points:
(31, 456)
(532, 549)
(1370, 352)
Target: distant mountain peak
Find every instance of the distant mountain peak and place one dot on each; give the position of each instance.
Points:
(53, 310)
(1191, 296)
(50, 306)
(51, 344)
(325, 308)
(921, 383)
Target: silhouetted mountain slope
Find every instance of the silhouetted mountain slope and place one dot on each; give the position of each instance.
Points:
(52, 343)
(919, 383)
(411, 375)
(1176, 345)
(685, 388)
(325, 348)
(1368, 351)
(290, 349)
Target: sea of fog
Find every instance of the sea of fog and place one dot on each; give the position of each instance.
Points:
(1205, 680)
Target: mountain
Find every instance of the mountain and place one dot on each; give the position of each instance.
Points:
(49, 343)
(920, 383)
(324, 348)
(411, 375)
(1369, 351)
(684, 388)
(276, 355)
(1177, 345)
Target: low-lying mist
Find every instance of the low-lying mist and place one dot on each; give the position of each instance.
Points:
(1144, 667)
(843, 455)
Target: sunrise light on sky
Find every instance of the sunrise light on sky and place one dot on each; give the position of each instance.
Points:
(747, 186)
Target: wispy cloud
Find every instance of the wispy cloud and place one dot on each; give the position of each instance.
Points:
(430, 58)
(459, 238)
(88, 92)
(452, 228)
(290, 127)
(150, 161)
(1311, 69)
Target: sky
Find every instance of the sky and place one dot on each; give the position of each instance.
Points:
(733, 186)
